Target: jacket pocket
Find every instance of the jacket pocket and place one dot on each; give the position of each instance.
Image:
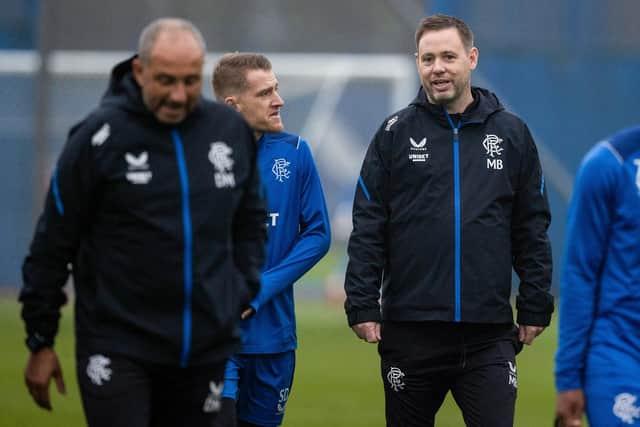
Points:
(515, 340)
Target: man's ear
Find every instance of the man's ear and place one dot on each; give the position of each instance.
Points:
(232, 102)
(474, 54)
(137, 70)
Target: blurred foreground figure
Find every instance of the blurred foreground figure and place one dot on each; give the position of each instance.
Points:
(598, 358)
(156, 204)
(450, 198)
(257, 381)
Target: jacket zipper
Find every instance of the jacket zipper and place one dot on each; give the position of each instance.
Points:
(457, 202)
(188, 256)
(457, 214)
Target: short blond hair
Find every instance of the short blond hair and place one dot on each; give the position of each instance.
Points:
(230, 73)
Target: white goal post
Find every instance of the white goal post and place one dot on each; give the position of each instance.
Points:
(334, 101)
(323, 81)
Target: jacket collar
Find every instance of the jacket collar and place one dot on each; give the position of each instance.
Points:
(485, 103)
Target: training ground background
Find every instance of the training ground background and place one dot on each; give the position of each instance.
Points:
(569, 68)
(337, 381)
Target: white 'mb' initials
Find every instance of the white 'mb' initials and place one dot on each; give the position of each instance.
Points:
(495, 164)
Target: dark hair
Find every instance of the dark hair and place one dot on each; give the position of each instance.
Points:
(442, 22)
(230, 73)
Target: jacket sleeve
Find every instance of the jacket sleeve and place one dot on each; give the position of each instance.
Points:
(530, 244)
(367, 249)
(313, 241)
(58, 234)
(588, 226)
(249, 227)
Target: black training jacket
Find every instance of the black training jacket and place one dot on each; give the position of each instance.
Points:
(445, 206)
(164, 227)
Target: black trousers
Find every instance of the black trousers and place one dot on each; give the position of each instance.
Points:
(422, 361)
(120, 392)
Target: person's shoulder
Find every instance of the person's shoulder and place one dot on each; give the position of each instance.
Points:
(105, 119)
(290, 139)
(513, 128)
(218, 111)
(625, 143)
(604, 154)
(399, 118)
(210, 106)
(292, 144)
(509, 118)
(223, 121)
(101, 119)
(599, 166)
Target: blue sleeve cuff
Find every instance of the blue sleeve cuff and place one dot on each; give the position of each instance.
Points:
(568, 380)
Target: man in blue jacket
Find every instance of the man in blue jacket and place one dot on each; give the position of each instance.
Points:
(450, 198)
(156, 204)
(258, 380)
(598, 356)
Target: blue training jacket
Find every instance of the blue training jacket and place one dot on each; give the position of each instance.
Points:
(600, 286)
(298, 237)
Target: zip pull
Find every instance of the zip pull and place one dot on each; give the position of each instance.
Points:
(454, 127)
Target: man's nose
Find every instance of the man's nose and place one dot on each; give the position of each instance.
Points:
(277, 100)
(438, 66)
(178, 93)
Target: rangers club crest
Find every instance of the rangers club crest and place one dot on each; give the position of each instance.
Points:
(220, 157)
(280, 169)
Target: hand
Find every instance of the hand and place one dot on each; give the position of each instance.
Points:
(569, 408)
(528, 333)
(41, 367)
(368, 331)
(247, 313)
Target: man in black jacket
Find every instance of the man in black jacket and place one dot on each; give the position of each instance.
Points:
(451, 196)
(156, 204)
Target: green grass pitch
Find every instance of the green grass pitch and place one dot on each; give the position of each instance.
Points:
(337, 381)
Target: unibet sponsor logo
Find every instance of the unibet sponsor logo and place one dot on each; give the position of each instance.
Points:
(138, 168)
(213, 401)
(418, 150)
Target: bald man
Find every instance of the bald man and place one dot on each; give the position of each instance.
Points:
(155, 202)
